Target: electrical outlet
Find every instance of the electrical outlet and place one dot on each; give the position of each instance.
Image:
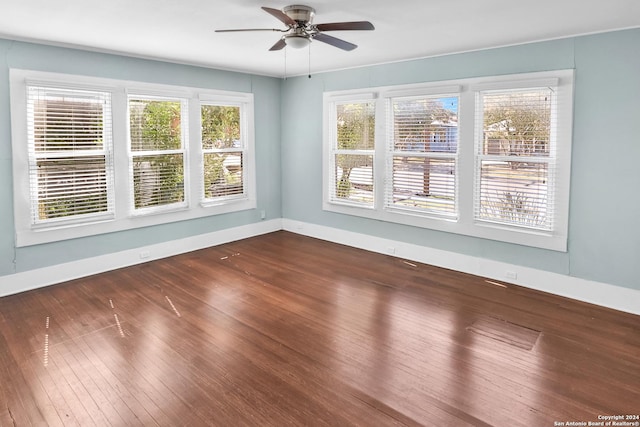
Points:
(144, 254)
(391, 250)
(511, 275)
(263, 214)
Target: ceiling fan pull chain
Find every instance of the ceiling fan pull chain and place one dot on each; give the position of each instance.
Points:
(285, 63)
(309, 60)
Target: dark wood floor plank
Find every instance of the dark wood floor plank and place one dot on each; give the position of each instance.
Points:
(27, 364)
(283, 329)
(152, 326)
(132, 407)
(241, 382)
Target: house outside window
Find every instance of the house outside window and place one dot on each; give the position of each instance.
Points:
(422, 152)
(515, 157)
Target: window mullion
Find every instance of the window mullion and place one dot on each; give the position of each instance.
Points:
(194, 156)
(123, 175)
(381, 160)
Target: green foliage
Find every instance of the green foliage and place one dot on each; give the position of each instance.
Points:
(155, 125)
(218, 180)
(158, 179)
(355, 131)
(66, 187)
(220, 126)
(343, 188)
(66, 206)
(356, 126)
(76, 186)
(220, 130)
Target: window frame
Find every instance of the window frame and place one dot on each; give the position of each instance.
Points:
(183, 150)
(333, 151)
(124, 218)
(467, 179)
(35, 155)
(246, 149)
(391, 153)
(549, 161)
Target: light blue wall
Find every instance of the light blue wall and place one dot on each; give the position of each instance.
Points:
(604, 230)
(604, 234)
(46, 58)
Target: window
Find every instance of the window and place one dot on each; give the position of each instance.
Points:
(352, 153)
(157, 141)
(422, 153)
(69, 148)
(224, 150)
(515, 157)
(94, 155)
(486, 157)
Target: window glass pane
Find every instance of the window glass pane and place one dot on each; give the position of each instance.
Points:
(355, 126)
(69, 134)
(425, 124)
(67, 120)
(223, 174)
(220, 126)
(71, 186)
(353, 177)
(513, 192)
(158, 180)
(155, 125)
(423, 183)
(517, 123)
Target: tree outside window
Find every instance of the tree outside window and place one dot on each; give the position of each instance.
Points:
(223, 151)
(157, 152)
(355, 142)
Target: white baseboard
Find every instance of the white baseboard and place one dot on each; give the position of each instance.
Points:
(24, 281)
(606, 295)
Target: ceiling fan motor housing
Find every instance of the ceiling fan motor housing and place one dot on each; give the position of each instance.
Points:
(303, 15)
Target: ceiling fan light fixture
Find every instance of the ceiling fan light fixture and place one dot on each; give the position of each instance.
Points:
(297, 41)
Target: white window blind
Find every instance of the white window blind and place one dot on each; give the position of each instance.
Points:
(70, 155)
(157, 129)
(515, 157)
(224, 152)
(352, 153)
(422, 154)
(92, 155)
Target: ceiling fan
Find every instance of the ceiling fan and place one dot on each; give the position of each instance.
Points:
(301, 31)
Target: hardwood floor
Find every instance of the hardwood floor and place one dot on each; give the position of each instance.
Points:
(283, 329)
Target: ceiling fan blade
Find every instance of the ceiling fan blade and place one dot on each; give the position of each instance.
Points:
(285, 19)
(280, 44)
(334, 41)
(346, 26)
(249, 29)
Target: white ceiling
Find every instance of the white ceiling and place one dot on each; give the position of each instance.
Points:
(183, 31)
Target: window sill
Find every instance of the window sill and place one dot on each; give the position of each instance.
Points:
(497, 232)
